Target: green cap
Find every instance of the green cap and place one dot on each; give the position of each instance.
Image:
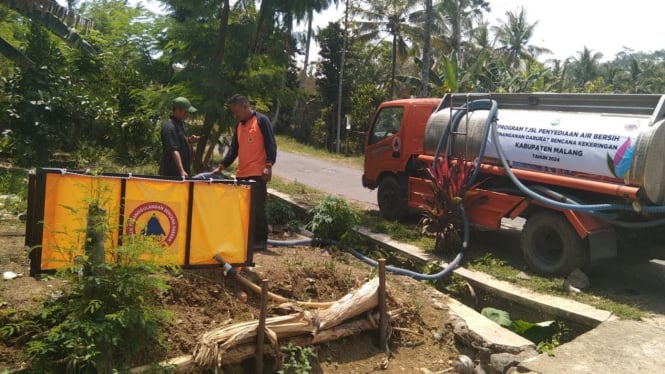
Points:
(181, 102)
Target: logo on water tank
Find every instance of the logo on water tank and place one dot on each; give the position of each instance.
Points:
(154, 219)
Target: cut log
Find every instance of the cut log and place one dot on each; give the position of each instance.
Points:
(214, 344)
(185, 364)
(344, 330)
(362, 300)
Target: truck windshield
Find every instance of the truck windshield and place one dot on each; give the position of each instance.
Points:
(388, 122)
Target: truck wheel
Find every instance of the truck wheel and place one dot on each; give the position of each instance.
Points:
(551, 246)
(392, 199)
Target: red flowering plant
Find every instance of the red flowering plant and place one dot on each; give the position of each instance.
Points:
(441, 211)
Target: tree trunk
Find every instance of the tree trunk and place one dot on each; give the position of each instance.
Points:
(94, 240)
(393, 67)
(303, 74)
(427, 32)
(211, 116)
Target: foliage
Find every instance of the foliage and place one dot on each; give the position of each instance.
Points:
(364, 98)
(442, 214)
(297, 359)
(331, 40)
(378, 17)
(332, 218)
(547, 335)
(14, 182)
(69, 99)
(555, 340)
(279, 212)
(321, 133)
(111, 310)
(513, 38)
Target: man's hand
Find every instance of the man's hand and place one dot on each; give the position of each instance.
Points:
(218, 169)
(193, 138)
(267, 173)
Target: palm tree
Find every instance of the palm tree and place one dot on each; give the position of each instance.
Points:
(461, 15)
(483, 70)
(448, 27)
(513, 37)
(387, 18)
(586, 67)
(305, 9)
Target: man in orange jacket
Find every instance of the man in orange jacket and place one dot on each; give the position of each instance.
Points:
(254, 145)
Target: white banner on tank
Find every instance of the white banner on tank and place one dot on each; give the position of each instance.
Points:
(568, 143)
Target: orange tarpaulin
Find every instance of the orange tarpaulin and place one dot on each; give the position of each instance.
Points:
(192, 220)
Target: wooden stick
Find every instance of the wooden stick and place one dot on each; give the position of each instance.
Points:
(280, 299)
(383, 308)
(253, 287)
(260, 333)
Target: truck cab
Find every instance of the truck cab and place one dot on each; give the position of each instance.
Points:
(393, 142)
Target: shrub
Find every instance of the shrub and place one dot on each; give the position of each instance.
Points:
(112, 310)
(332, 218)
(279, 212)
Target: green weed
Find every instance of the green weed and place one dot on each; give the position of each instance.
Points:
(297, 359)
(332, 218)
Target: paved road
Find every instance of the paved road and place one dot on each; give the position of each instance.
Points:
(326, 176)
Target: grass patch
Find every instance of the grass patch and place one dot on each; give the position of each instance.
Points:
(407, 231)
(303, 195)
(499, 269)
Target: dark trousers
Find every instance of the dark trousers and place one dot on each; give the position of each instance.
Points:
(259, 197)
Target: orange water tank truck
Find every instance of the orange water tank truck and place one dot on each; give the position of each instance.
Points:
(585, 171)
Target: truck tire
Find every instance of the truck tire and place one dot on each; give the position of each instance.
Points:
(551, 246)
(392, 199)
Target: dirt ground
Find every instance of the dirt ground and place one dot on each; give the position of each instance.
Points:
(205, 299)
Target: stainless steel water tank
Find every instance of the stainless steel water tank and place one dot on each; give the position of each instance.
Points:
(624, 149)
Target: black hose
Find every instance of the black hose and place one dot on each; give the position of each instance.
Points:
(395, 270)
